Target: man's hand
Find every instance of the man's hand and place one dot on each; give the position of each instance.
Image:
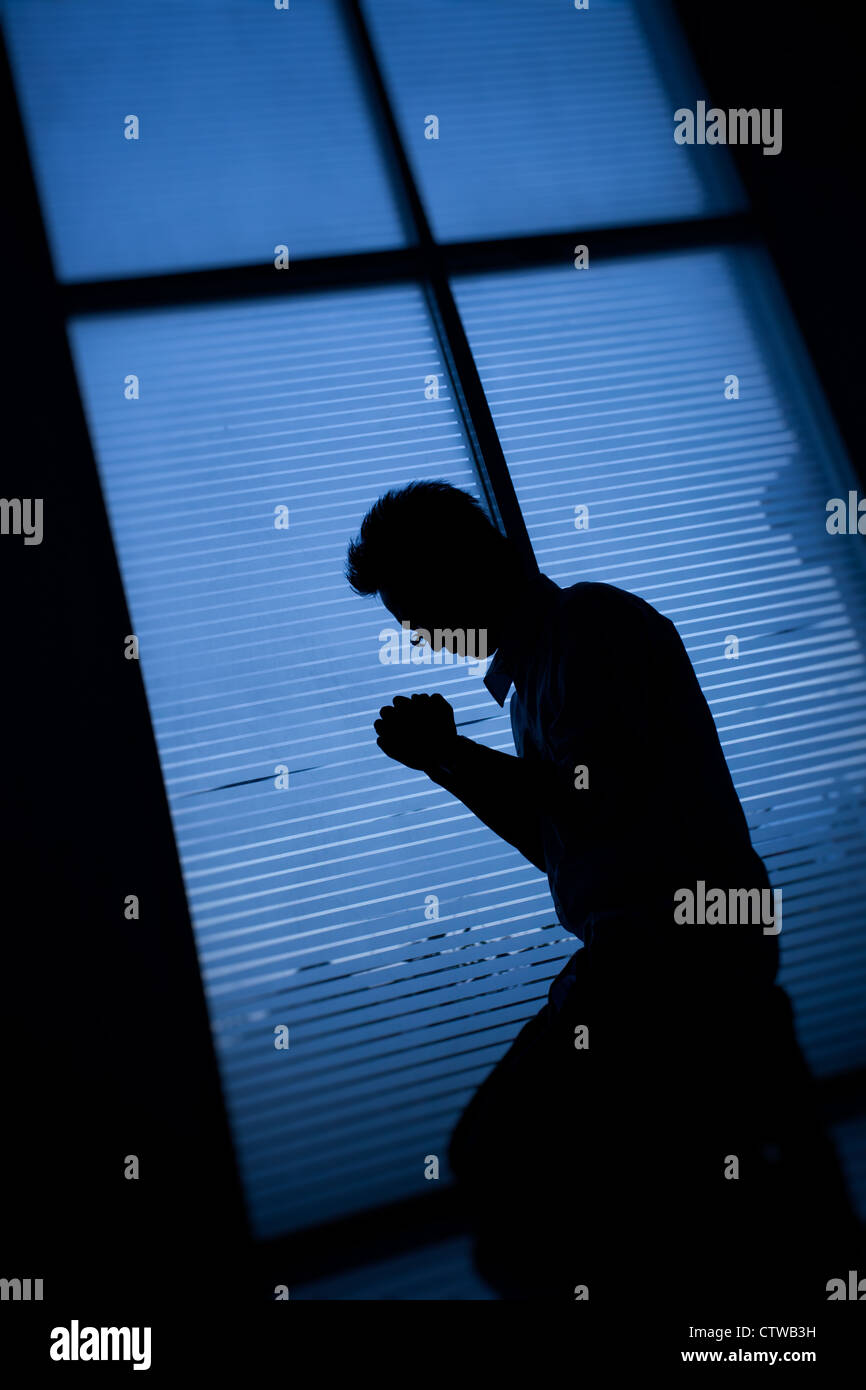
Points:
(417, 732)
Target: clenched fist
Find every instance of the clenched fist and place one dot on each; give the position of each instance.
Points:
(417, 732)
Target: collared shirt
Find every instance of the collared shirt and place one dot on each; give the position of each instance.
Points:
(604, 690)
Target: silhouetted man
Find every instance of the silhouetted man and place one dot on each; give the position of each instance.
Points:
(653, 1125)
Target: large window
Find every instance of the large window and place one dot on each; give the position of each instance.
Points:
(172, 137)
(240, 441)
(342, 897)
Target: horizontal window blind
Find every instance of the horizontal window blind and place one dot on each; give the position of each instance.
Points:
(549, 118)
(253, 133)
(608, 389)
(313, 905)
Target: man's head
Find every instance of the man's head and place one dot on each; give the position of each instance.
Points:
(435, 559)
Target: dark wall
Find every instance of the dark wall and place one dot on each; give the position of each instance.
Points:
(808, 201)
(106, 1046)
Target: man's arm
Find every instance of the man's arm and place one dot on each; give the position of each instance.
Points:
(510, 795)
(497, 789)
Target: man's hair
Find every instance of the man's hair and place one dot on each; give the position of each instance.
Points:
(408, 525)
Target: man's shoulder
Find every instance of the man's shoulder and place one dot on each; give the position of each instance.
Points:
(591, 601)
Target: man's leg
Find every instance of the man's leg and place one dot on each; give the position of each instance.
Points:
(514, 1154)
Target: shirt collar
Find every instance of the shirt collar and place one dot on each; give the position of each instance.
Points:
(523, 630)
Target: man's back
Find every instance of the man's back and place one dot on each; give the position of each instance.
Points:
(607, 693)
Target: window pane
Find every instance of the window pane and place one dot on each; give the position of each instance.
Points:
(312, 905)
(253, 133)
(608, 391)
(549, 117)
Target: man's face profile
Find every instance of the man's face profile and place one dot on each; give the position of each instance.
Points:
(440, 614)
